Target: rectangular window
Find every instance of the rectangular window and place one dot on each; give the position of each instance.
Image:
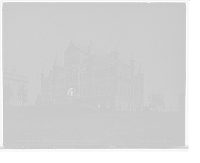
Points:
(61, 81)
(99, 89)
(108, 105)
(68, 79)
(120, 88)
(104, 72)
(83, 91)
(71, 62)
(128, 90)
(108, 69)
(108, 88)
(99, 72)
(120, 70)
(83, 76)
(50, 83)
(51, 95)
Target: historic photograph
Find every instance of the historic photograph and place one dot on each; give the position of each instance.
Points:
(94, 75)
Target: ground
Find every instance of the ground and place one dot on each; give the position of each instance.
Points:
(64, 127)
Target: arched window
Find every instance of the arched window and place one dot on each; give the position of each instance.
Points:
(108, 88)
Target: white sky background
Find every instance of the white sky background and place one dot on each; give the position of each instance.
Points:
(155, 33)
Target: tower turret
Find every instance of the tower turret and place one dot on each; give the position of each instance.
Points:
(90, 61)
(141, 88)
(132, 64)
(116, 54)
(56, 67)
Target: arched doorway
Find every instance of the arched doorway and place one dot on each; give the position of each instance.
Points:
(71, 92)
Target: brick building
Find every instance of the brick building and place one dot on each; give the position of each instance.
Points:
(14, 88)
(100, 81)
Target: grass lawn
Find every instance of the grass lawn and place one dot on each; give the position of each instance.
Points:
(60, 127)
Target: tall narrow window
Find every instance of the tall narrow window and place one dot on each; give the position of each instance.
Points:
(71, 62)
(83, 76)
(120, 88)
(51, 95)
(108, 69)
(67, 63)
(61, 81)
(108, 88)
(104, 89)
(50, 83)
(104, 72)
(120, 70)
(99, 73)
(83, 91)
(129, 74)
(128, 90)
(99, 89)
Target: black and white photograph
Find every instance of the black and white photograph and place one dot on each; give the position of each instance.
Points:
(94, 75)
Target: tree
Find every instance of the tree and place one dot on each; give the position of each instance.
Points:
(8, 94)
(38, 99)
(22, 94)
(156, 102)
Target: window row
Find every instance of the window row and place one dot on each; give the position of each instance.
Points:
(103, 72)
(48, 96)
(108, 105)
(104, 89)
(71, 62)
(128, 89)
(72, 78)
(48, 83)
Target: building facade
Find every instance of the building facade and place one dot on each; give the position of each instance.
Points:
(181, 102)
(14, 88)
(99, 81)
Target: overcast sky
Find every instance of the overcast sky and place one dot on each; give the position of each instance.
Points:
(155, 33)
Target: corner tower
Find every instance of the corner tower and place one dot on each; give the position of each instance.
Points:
(55, 67)
(90, 63)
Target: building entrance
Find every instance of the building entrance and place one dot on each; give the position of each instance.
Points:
(71, 92)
